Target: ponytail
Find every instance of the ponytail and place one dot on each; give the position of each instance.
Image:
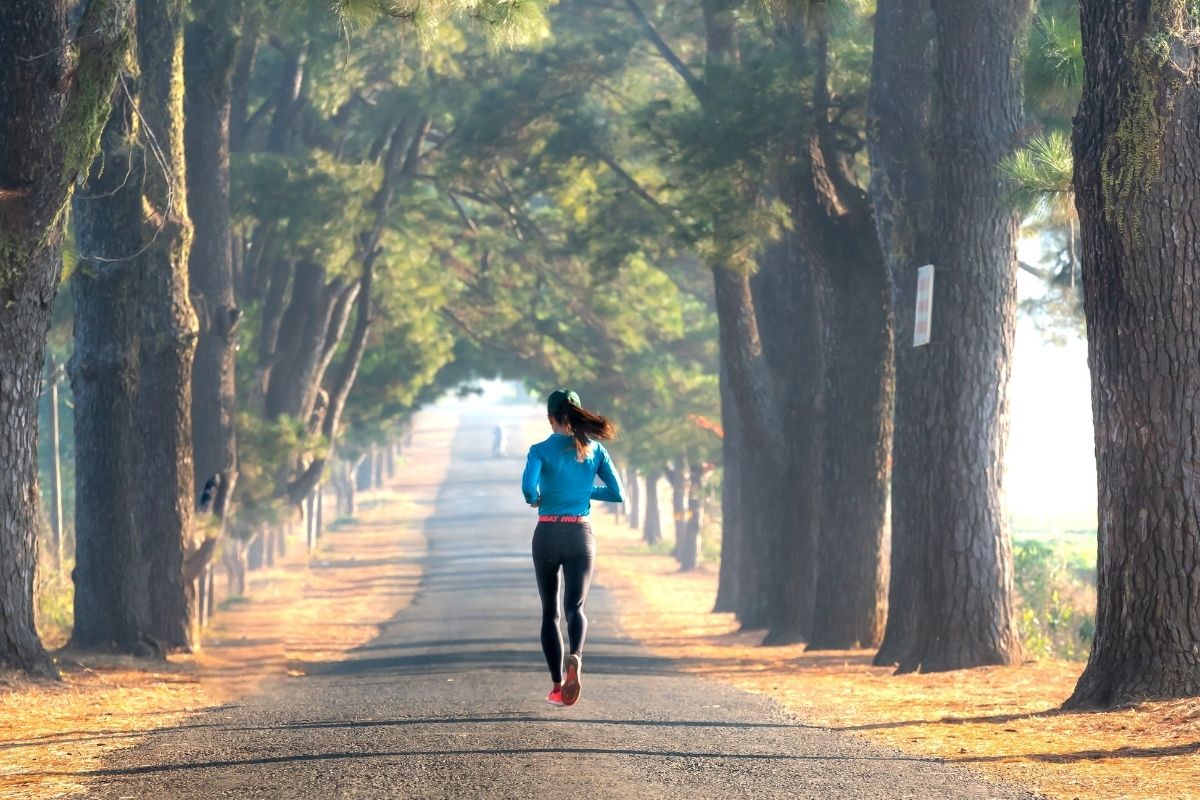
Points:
(586, 426)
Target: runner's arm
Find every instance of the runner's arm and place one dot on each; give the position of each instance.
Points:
(530, 478)
(611, 491)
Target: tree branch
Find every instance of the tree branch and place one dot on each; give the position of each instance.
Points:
(695, 84)
(666, 212)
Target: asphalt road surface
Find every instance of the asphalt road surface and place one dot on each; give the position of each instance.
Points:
(449, 701)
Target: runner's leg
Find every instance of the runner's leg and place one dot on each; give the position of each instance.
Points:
(577, 575)
(546, 565)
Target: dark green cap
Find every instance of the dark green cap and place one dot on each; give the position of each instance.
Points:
(559, 399)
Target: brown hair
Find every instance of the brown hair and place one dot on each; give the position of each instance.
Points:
(586, 426)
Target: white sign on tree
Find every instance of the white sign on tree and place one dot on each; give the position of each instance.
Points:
(923, 325)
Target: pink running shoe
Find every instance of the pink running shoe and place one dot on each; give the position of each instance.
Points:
(555, 698)
(570, 688)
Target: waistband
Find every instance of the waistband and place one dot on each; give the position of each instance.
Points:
(556, 518)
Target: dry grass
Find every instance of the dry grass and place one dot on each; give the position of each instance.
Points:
(1002, 721)
(300, 610)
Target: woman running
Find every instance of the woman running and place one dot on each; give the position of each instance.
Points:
(559, 481)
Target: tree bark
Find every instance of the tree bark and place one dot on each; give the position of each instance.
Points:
(55, 92)
(235, 567)
(167, 331)
(741, 359)
(851, 595)
(256, 549)
(320, 493)
(380, 465)
(731, 452)
(850, 604)
(111, 607)
(678, 476)
(836, 228)
(634, 518)
(776, 512)
(56, 482)
(951, 495)
(899, 119)
(652, 532)
(786, 497)
(208, 67)
(689, 549)
(295, 377)
(364, 473)
(350, 495)
(310, 518)
(1136, 177)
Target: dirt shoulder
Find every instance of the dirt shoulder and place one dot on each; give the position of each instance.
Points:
(1001, 721)
(305, 608)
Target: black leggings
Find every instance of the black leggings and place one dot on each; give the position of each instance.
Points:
(568, 546)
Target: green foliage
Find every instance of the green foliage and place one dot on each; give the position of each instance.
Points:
(1056, 608)
(1133, 157)
(314, 198)
(54, 598)
(509, 23)
(1054, 64)
(1041, 175)
(54, 591)
(263, 446)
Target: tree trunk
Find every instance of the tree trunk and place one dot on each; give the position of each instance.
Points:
(256, 549)
(839, 287)
(335, 478)
(320, 511)
(310, 518)
(390, 460)
(734, 303)
(202, 590)
(851, 596)
(1136, 177)
(208, 66)
(306, 329)
(777, 507)
(790, 295)
(689, 549)
(652, 533)
(212, 589)
(235, 567)
(951, 496)
(901, 194)
(22, 339)
(111, 607)
(347, 501)
(56, 483)
(731, 481)
(364, 473)
(55, 90)
(377, 453)
(678, 476)
(633, 487)
(167, 332)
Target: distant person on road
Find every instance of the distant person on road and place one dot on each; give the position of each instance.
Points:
(559, 481)
(499, 441)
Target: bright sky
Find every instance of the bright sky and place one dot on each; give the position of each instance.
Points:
(1051, 455)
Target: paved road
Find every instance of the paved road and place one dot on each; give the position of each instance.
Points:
(448, 701)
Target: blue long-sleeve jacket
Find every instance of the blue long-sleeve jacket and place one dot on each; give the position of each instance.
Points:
(565, 485)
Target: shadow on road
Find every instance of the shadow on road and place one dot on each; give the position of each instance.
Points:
(502, 752)
(493, 660)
